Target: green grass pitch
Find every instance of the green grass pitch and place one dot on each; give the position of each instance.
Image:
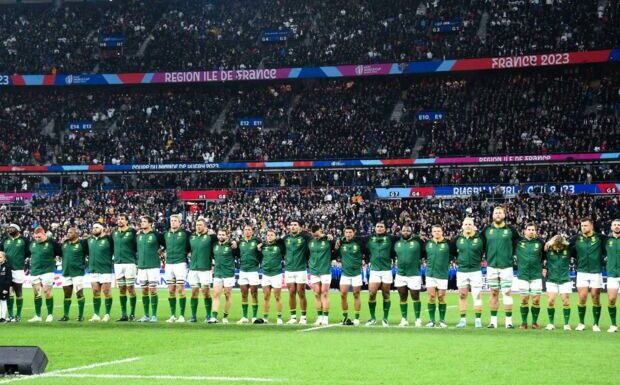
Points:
(132, 353)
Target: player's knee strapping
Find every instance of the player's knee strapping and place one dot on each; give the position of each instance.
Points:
(506, 297)
(475, 293)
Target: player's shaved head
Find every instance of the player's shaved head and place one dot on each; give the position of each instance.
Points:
(406, 231)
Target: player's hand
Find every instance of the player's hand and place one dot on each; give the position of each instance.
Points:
(233, 244)
(337, 245)
(330, 237)
(259, 247)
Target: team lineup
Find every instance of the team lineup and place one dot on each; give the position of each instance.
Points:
(125, 254)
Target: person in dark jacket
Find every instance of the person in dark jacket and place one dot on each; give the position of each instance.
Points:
(5, 285)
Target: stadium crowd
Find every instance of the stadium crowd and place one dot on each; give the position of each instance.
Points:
(562, 110)
(387, 177)
(333, 208)
(187, 35)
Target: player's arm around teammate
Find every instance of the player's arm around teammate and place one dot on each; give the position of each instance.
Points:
(125, 268)
(101, 266)
(177, 249)
(469, 248)
(320, 248)
(248, 272)
(17, 249)
(74, 252)
(438, 257)
(529, 252)
(612, 250)
(351, 250)
(408, 250)
(224, 253)
(499, 239)
(296, 275)
(588, 249)
(44, 254)
(557, 267)
(200, 275)
(149, 245)
(381, 254)
(272, 253)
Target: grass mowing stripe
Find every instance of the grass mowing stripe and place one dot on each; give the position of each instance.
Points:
(69, 370)
(168, 377)
(318, 327)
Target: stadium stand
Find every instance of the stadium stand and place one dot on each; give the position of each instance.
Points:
(183, 35)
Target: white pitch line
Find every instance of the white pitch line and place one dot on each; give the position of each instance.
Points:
(68, 370)
(318, 327)
(164, 377)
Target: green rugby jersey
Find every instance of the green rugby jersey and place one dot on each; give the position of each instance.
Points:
(125, 247)
(408, 256)
(530, 254)
(320, 256)
(297, 253)
(351, 256)
(17, 250)
(224, 256)
(202, 251)
(177, 246)
(148, 245)
(558, 266)
(588, 252)
(469, 251)
(612, 250)
(438, 257)
(272, 258)
(74, 258)
(499, 245)
(100, 253)
(381, 251)
(248, 254)
(43, 256)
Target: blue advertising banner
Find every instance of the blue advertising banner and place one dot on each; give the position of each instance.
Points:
(80, 126)
(430, 116)
(112, 41)
(447, 26)
(506, 190)
(250, 122)
(276, 34)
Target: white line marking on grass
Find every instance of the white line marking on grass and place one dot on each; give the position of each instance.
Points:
(318, 327)
(68, 370)
(165, 377)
